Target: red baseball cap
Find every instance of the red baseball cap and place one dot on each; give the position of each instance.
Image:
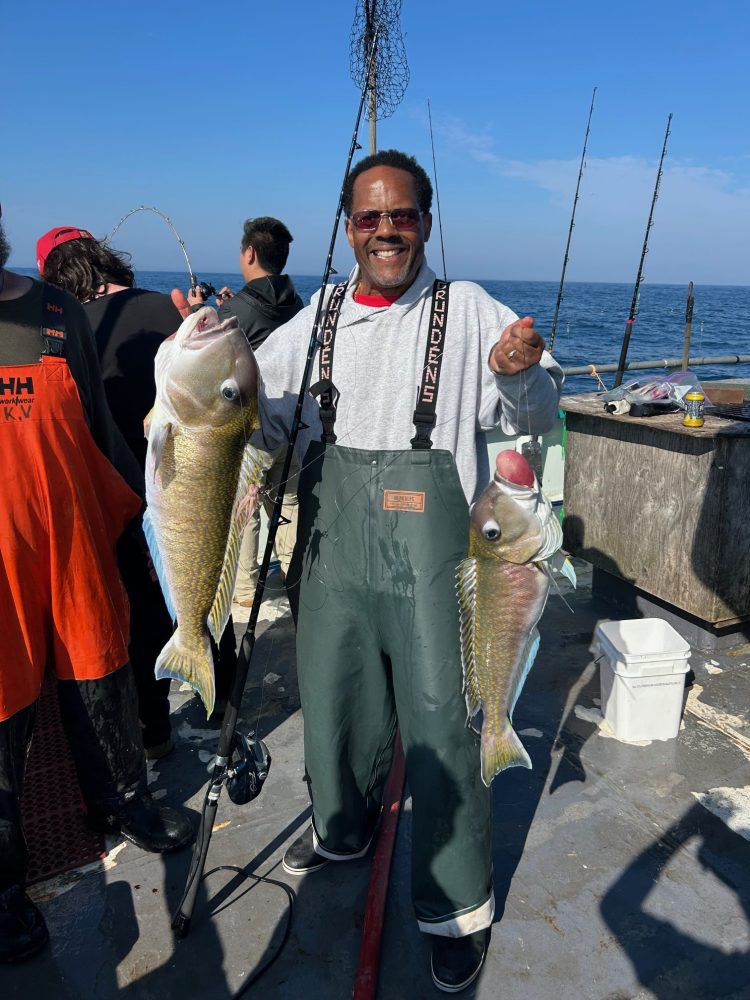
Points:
(55, 238)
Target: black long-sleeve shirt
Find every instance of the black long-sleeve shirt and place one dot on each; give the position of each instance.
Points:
(21, 344)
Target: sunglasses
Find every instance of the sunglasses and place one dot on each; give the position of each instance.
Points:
(402, 219)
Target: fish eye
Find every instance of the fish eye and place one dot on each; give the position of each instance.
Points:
(491, 530)
(230, 390)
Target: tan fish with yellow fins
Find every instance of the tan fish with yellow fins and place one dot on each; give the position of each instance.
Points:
(202, 478)
(502, 588)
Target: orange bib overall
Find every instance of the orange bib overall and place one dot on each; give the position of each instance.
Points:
(62, 508)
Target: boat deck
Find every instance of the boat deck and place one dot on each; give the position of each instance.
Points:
(614, 879)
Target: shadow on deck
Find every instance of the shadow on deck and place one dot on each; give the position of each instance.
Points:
(612, 880)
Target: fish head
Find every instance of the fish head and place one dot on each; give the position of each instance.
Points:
(512, 520)
(502, 529)
(207, 375)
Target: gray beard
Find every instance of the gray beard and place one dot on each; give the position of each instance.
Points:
(4, 247)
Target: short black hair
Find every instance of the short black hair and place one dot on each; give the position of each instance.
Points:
(270, 239)
(81, 267)
(391, 158)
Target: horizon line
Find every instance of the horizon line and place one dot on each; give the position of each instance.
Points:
(526, 281)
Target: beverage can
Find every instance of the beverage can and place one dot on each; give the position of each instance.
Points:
(694, 409)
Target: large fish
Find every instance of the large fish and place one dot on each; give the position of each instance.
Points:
(502, 588)
(200, 472)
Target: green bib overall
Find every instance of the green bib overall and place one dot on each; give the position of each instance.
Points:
(380, 535)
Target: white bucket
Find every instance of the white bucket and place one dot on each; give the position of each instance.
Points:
(642, 677)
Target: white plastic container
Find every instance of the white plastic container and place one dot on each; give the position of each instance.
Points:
(642, 677)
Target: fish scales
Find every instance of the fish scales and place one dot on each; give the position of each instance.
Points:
(502, 590)
(510, 601)
(195, 515)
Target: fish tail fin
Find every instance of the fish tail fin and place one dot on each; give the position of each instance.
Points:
(195, 666)
(501, 750)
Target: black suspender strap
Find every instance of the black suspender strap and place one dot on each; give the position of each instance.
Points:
(424, 413)
(325, 388)
(53, 321)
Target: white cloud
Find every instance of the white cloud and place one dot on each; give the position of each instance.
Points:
(701, 221)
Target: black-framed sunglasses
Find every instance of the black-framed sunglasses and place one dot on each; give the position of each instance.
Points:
(402, 219)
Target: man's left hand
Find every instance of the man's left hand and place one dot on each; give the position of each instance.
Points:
(519, 347)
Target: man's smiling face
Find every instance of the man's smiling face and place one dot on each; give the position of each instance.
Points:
(388, 258)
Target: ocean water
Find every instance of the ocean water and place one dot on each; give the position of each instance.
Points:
(592, 319)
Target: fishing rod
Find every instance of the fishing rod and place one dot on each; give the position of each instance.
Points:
(151, 208)
(222, 773)
(532, 449)
(636, 366)
(639, 278)
(206, 288)
(688, 327)
(437, 194)
(570, 230)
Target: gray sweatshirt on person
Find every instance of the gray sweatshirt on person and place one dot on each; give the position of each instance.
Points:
(377, 368)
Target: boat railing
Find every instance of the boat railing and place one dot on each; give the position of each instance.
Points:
(717, 359)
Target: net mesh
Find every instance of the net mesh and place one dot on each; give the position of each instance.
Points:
(51, 806)
(389, 76)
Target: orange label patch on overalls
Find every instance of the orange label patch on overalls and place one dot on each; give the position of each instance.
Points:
(404, 500)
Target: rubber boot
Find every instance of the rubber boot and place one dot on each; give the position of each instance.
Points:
(101, 725)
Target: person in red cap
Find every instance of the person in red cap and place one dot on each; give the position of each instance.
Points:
(70, 490)
(129, 325)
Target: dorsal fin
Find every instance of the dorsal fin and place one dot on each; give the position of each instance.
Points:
(252, 471)
(466, 589)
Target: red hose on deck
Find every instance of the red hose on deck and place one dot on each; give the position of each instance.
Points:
(366, 983)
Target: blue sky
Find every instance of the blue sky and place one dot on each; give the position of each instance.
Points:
(215, 112)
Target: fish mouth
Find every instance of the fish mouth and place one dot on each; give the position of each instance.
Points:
(208, 329)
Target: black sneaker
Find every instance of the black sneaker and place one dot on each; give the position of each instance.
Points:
(152, 828)
(300, 857)
(456, 962)
(23, 931)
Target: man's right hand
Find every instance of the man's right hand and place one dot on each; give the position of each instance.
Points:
(224, 295)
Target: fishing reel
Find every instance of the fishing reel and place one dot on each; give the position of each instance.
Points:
(206, 289)
(249, 763)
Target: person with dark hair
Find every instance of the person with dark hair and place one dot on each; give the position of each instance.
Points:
(384, 497)
(267, 300)
(71, 488)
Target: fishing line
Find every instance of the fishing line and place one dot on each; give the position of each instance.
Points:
(437, 194)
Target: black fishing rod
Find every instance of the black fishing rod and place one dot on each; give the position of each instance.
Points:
(437, 194)
(688, 327)
(206, 288)
(570, 230)
(222, 772)
(639, 278)
(532, 449)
